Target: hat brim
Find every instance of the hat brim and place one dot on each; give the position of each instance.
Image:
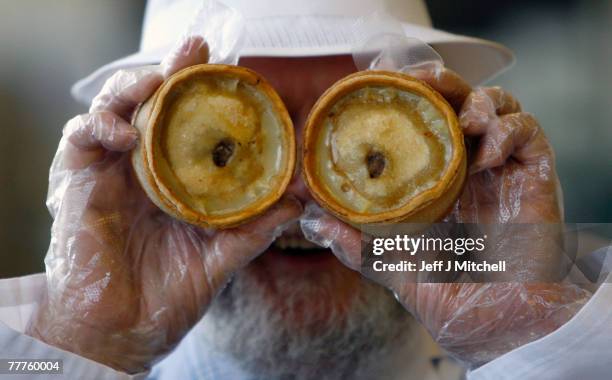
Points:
(476, 60)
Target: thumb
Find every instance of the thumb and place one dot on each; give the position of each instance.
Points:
(232, 249)
(346, 243)
(323, 229)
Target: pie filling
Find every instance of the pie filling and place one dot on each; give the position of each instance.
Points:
(378, 147)
(222, 144)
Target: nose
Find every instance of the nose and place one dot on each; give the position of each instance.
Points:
(298, 188)
(299, 99)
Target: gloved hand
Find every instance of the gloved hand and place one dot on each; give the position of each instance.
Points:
(125, 282)
(512, 179)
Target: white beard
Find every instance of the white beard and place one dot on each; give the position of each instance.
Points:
(369, 341)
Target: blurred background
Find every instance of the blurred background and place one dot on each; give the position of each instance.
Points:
(563, 75)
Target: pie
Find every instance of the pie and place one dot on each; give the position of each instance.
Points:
(382, 147)
(217, 146)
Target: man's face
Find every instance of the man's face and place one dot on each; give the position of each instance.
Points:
(300, 82)
(296, 309)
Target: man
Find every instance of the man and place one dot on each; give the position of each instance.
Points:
(126, 283)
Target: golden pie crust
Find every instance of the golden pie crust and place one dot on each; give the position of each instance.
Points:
(383, 147)
(217, 146)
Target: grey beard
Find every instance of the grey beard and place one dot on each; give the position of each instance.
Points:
(368, 341)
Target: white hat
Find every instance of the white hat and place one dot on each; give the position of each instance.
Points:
(299, 28)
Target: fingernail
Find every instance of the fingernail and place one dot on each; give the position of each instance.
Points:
(313, 211)
(132, 135)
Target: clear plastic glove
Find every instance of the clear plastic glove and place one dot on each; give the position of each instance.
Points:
(512, 180)
(125, 282)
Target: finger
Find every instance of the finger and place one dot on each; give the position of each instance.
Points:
(329, 232)
(101, 129)
(518, 135)
(483, 106)
(190, 51)
(71, 157)
(87, 138)
(125, 90)
(448, 83)
(530, 143)
(232, 249)
(288, 209)
(503, 101)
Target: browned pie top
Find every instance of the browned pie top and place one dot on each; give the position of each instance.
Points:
(221, 143)
(379, 146)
